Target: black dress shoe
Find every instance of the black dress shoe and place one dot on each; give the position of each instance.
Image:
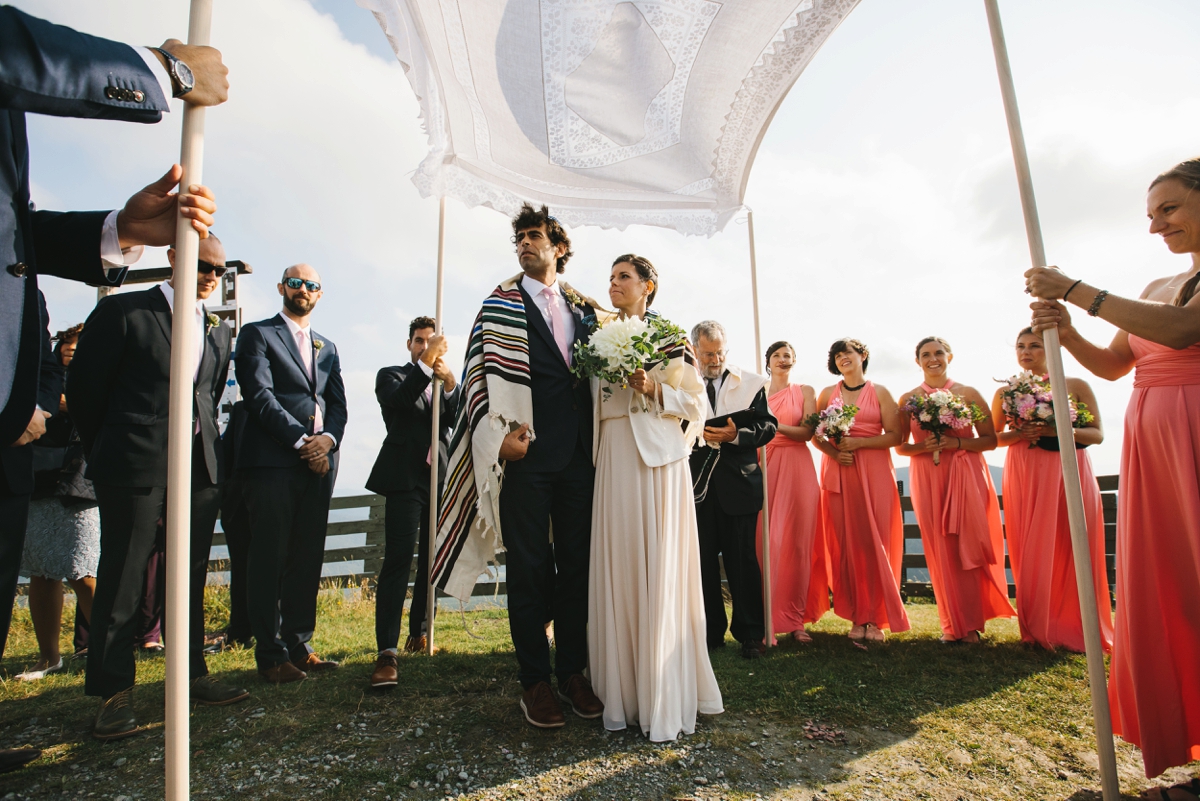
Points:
(753, 650)
(13, 758)
(713, 646)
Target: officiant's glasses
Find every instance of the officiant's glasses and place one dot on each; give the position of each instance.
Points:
(296, 283)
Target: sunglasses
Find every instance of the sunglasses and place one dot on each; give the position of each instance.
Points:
(208, 267)
(296, 283)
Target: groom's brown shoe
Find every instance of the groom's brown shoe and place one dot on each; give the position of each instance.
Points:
(577, 693)
(541, 708)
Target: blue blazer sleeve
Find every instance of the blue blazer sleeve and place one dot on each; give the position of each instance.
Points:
(252, 366)
(67, 245)
(50, 375)
(52, 69)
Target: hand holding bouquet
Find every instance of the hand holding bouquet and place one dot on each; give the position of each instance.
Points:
(1026, 398)
(834, 422)
(941, 411)
(621, 346)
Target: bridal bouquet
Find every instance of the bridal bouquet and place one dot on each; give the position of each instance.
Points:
(621, 346)
(1026, 398)
(941, 411)
(834, 422)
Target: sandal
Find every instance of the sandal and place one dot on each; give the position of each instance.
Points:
(800, 635)
(858, 633)
(874, 633)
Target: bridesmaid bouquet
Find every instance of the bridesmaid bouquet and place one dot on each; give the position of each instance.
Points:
(941, 411)
(620, 346)
(834, 422)
(1026, 398)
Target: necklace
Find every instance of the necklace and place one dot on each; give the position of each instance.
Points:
(849, 388)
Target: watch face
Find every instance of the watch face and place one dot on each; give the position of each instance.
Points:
(183, 74)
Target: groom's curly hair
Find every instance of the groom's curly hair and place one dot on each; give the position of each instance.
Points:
(529, 217)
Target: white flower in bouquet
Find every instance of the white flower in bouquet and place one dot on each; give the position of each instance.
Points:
(613, 342)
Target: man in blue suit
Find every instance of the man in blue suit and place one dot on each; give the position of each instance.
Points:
(51, 69)
(286, 456)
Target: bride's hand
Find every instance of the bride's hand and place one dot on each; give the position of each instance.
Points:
(640, 382)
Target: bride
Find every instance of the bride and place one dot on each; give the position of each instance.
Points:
(646, 632)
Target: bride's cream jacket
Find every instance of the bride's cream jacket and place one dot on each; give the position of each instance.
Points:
(658, 426)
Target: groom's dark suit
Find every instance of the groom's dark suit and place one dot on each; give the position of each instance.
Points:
(553, 483)
(118, 389)
(288, 503)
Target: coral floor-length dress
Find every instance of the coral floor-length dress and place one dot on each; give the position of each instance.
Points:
(959, 516)
(1155, 683)
(799, 580)
(864, 529)
(1039, 548)
(647, 650)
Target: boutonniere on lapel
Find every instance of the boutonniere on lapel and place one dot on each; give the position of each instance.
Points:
(574, 298)
(318, 344)
(213, 321)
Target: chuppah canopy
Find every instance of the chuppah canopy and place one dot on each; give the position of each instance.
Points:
(612, 113)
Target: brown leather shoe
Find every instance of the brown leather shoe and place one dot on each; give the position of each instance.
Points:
(283, 673)
(313, 663)
(386, 671)
(541, 708)
(579, 696)
(417, 645)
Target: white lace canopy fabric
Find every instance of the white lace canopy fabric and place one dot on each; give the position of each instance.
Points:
(612, 113)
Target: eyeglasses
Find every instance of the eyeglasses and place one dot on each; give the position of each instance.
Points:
(208, 267)
(296, 283)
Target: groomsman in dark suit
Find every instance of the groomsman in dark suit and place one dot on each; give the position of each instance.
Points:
(401, 472)
(118, 391)
(291, 382)
(726, 463)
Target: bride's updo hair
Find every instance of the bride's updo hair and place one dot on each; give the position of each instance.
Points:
(645, 271)
(1188, 174)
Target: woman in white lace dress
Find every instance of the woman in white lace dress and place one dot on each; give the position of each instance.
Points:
(646, 633)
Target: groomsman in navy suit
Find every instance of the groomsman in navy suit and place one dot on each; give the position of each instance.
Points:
(286, 455)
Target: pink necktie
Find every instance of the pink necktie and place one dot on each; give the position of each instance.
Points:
(306, 354)
(556, 325)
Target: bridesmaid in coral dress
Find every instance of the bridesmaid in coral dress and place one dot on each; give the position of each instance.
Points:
(956, 506)
(860, 506)
(1155, 682)
(1035, 515)
(799, 583)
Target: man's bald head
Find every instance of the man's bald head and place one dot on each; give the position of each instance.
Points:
(299, 300)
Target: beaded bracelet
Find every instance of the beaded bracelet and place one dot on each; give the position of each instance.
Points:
(1068, 292)
(1094, 309)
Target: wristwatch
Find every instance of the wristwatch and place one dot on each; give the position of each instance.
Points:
(182, 80)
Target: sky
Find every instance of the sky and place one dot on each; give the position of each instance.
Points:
(884, 197)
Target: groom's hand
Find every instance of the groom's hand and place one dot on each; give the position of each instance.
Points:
(516, 444)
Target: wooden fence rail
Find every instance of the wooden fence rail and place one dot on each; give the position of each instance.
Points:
(370, 551)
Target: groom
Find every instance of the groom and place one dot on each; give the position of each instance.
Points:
(524, 433)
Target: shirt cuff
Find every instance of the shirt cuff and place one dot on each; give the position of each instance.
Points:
(160, 72)
(110, 245)
(425, 368)
(300, 442)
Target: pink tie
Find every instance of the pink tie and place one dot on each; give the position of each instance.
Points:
(306, 354)
(556, 325)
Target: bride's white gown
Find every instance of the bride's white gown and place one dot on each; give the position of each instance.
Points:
(646, 635)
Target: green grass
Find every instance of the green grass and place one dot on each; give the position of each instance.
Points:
(911, 719)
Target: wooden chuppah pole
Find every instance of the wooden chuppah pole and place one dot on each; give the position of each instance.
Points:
(179, 439)
(435, 439)
(1062, 418)
(768, 619)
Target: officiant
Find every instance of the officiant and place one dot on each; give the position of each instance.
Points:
(729, 490)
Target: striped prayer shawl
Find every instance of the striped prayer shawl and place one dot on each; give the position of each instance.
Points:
(496, 399)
